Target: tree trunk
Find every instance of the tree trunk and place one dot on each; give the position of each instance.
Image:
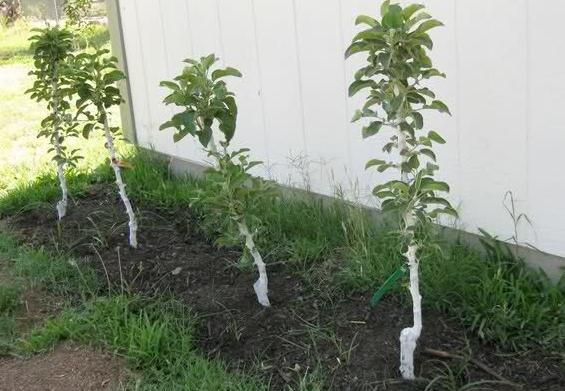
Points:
(261, 285)
(62, 204)
(410, 335)
(119, 181)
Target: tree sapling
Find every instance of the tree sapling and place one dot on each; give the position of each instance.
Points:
(397, 65)
(232, 191)
(96, 75)
(52, 51)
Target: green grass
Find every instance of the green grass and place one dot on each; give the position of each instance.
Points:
(496, 297)
(154, 335)
(14, 46)
(9, 298)
(40, 268)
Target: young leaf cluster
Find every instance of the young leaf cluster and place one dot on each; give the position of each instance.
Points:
(232, 191)
(76, 11)
(397, 66)
(95, 76)
(203, 95)
(52, 54)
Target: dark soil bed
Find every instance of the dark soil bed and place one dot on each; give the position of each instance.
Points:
(354, 348)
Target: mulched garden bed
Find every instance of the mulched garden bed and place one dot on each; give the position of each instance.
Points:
(355, 348)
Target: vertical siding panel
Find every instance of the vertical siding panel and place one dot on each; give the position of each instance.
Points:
(547, 133)
(136, 71)
(321, 56)
(238, 36)
(493, 103)
(280, 90)
(155, 64)
(176, 40)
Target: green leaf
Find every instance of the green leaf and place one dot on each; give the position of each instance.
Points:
(440, 106)
(411, 10)
(166, 125)
(437, 201)
(436, 137)
(372, 129)
(87, 129)
(357, 116)
(171, 85)
(364, 19)
(179, 136)
(219, 73)
(378, 38)
(205, 136)
(446, 211)
(374, 162)
(414, 162)
(384, 7)
(357, 47)
(432, 73)
(114, 76)
(426, 26)
(433, 185)
(359, 85)
(393, 17)
(418, 120)
(429, 153)
(417, 19)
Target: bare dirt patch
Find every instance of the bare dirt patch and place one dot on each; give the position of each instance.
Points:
(356, 349)
(67, 368)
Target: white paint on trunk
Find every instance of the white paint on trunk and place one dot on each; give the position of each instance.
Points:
(62, 204)
(410, 335)
(261, 285)
(121, 185)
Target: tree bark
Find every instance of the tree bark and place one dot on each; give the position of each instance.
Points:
(410, 335)
(119, 181)
(261, 285)
(62, 204)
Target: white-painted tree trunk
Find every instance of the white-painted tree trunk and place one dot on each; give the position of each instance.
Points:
(119, 181)
(62, 204)
(410, 335)
(261, 285)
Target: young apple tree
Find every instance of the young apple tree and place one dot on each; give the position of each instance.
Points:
(232, 192)
(52, 51)
(397, 67)
(95, 76)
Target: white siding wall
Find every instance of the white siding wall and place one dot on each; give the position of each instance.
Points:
(506, 87)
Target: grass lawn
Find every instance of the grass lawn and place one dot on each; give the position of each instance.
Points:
(180, 310)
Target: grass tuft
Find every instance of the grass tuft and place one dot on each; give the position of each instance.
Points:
(155, 336)
(43, 269)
